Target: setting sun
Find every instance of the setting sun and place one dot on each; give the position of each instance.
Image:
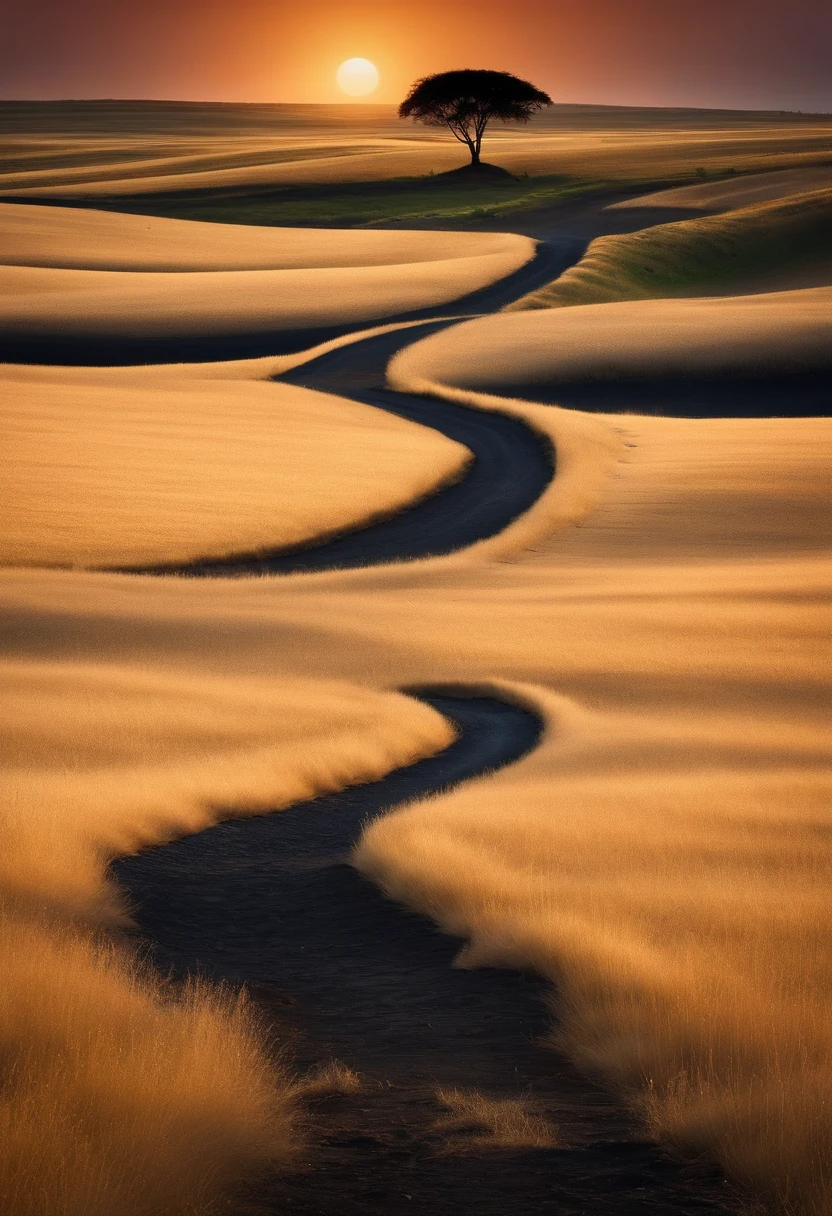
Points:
(357, 77)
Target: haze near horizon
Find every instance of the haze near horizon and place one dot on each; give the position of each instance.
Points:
(765, 55)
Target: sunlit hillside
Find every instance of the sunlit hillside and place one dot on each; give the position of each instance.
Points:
(761, 246)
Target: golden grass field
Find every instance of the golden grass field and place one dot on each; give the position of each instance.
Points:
(344, 279)
(61, 238)
(661, 856)
(67, 151)
(109, 467)
(126, 1095)
(777, 331)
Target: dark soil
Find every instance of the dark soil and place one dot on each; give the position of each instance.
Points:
(344, 974)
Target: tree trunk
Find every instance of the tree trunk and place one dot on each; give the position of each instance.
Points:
(475, 154)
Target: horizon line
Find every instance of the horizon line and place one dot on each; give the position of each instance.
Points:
(381, 105)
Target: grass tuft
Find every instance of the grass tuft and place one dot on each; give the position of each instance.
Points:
(332, 1080)
(506, 1123)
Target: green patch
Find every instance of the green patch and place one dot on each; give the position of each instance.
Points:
(436, 197)
(695, 256)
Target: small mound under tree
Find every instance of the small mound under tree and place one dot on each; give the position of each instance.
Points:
(466, 101)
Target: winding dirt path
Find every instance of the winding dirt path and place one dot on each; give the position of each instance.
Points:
(272, 902)
(512, 467)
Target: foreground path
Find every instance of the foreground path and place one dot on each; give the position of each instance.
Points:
(271, 902)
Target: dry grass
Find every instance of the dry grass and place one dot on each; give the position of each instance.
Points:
(122, 1094)
(333, 1080)
(104, 759)
(733, 192)
(76, 238)
(682, 819)
(627, 146)
(706, 255)
(659, 856)
(104, 470)
(680, 908)
(662, 858)
(84, 273)
(40, 301)
(506, 1123)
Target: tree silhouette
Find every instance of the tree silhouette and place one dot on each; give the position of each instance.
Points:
(466, 101)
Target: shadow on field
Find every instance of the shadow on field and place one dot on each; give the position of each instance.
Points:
(799, 395)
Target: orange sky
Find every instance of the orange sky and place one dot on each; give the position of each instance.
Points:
(754, 53)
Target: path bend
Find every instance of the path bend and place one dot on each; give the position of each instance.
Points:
(512, 464)
(512, 467)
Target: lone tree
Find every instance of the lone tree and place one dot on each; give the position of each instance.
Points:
(466, 102)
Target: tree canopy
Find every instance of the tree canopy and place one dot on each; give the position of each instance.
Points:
(466, 101)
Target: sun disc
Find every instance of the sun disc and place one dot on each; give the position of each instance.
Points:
(357, 77)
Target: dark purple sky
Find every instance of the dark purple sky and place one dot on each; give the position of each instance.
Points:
(744, 53)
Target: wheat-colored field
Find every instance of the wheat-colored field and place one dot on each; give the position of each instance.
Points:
(279, 165)
(735, 192)
(44, 301)
(80, 238)
(126, 1095)
(771, 332)
(124, 466)
(195, 149)
(661, 856)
